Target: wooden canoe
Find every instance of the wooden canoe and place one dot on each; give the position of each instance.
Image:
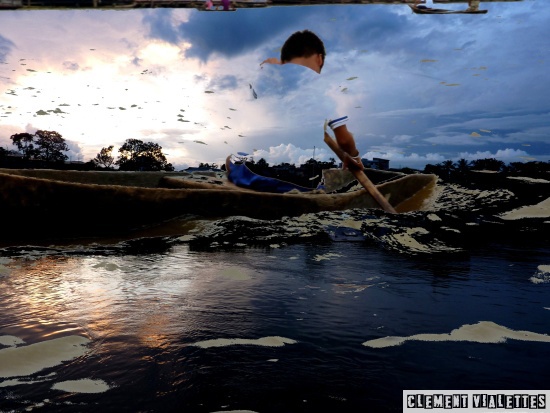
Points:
(53, 204)
(428, 10)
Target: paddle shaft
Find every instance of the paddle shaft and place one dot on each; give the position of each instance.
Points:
(360, 176)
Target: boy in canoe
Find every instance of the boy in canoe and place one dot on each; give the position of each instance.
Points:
(306, 49)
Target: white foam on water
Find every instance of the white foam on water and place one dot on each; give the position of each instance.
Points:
(82, 386)
(26, 360)
(540, 210)
(542, 276)
(10, 341)
(109, 266)
(235, 274)
(407, 239)
(271, 341)
(328, 256)
(433, 217)
(527, 179)
(234, 411)
(17, 382)
(481, 332)
(351, 288)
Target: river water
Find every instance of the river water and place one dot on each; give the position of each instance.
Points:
(157, 325)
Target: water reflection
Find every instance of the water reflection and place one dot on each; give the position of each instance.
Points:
(262, 327)
(146, 300)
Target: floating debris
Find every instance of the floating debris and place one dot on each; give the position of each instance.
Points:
(481, 332)
(271, 341)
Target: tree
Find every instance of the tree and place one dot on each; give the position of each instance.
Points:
(262, 164)
(50, 146)
(462, 166)
(43, 145)
(136, 155)
(489, 164)
(5, 153)
(24, 142)
(104, 159)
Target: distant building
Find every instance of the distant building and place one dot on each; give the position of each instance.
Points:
(379, 163)
(376, 163)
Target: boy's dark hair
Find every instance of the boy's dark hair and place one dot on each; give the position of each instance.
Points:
(302, 44)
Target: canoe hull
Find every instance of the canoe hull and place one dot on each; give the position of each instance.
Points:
(34, 207)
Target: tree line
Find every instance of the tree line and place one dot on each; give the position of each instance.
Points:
(47, 147)
(462, 168)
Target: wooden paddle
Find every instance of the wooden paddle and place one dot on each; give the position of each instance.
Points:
(360, 176)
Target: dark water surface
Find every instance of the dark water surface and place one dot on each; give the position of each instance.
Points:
(144, 311)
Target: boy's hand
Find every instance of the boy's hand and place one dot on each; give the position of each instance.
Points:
(352, 163)
(271, 61)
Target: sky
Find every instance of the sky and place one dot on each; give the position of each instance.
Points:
(418, 89)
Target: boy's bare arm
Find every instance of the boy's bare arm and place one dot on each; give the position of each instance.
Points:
(271, 61)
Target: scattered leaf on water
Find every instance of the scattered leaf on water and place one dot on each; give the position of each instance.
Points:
(42, 112)
(428, 61)
(232, 109)
(208, 91)
(453, 84)
(201, 142)
(121, 108)
(352, 78)
(344, 90)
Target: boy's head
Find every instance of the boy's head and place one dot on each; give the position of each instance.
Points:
(304, 45)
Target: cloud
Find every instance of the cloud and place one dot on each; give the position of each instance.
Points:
(158, 65)
(506, 155)
(224, 34)
(289, 153)
(5, 48)
(71, 65)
